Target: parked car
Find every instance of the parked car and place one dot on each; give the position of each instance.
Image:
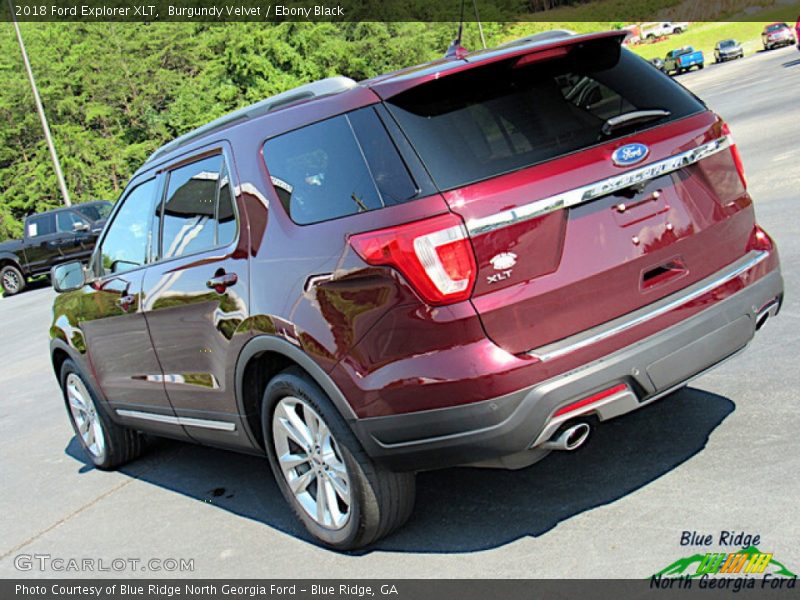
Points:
(364, 280)
(656, 30)
(727, 50)
(50, 238)
(683, 59)
(657, 63)
(777, 35)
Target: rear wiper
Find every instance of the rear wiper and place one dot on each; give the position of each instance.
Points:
(632, 118)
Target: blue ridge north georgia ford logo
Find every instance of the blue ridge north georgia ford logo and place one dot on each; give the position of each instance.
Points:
(630, 154)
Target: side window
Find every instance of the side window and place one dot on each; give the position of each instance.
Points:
(68, 222)
(41, 225)
(125, 244)
(319, 172)
(387, 168)
(189, 214)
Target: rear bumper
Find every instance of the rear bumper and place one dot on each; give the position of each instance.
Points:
(515, 422)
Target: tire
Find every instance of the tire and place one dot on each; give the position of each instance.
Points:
(380, 500)
(107, 444)
(11, 280)
(677, 31)
(701, 67)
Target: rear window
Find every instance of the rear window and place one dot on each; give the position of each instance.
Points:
(41, 225)
(776, 27)
(499, 118)
(338, 167)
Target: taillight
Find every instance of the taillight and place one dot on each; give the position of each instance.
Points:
(434, 255)
(737, 158)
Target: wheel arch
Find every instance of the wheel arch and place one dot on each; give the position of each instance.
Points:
(262, 358)
(9, 259)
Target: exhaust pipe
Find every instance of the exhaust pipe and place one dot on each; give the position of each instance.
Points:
(770, 309)
(570, 438)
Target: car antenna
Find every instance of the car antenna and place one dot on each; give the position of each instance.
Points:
(456, 50)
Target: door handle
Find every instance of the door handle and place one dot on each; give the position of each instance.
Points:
(125, 302)
(220, 282)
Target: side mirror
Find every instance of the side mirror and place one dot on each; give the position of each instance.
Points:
(68, 277)
(80, 226)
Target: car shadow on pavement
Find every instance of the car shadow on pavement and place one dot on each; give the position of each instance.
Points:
(467, 509)
(792, 63)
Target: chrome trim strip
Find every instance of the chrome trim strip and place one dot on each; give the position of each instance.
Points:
(559, 349)
(596, 190)
(188, 421)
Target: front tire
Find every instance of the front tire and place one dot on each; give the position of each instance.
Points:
(107, 444)
(344, 499)
(12, 280)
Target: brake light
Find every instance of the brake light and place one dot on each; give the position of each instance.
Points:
(737, 158)
(434, 255)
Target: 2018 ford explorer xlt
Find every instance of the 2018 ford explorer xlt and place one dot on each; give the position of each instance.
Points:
(460, 263)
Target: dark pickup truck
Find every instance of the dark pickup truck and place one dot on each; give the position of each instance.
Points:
(51, 237)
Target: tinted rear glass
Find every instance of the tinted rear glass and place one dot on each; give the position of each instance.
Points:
(497, 118)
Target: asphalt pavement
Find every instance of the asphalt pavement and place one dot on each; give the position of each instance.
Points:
(719, 456)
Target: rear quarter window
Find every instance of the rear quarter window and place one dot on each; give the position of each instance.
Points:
(338, 167)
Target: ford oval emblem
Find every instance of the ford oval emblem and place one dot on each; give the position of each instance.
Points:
(630, 154)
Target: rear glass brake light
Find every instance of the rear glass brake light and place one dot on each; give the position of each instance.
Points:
(434, 255)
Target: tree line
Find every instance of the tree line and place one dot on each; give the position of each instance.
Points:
(114, 92)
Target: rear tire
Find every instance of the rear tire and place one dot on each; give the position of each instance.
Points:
(11, 280)
(107, 444)
(344, 499)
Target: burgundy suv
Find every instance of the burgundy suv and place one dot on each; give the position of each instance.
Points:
(466, 262)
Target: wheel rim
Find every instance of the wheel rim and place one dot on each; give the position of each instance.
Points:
(11, 282)
(84, 413)
(311, 462)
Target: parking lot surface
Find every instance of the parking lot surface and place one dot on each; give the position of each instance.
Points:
(719, 456)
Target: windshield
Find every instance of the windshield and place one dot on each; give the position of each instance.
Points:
(499, 118)
(776, 27)
(95, 211)
(727, 44)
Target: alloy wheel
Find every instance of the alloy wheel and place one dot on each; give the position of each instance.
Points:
(311, 462)
(84, 413)
(11, 282)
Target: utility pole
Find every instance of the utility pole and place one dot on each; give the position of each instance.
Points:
(40, 109)
(478, 19)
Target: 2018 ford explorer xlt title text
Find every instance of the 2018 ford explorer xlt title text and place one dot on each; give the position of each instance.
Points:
(460, 263)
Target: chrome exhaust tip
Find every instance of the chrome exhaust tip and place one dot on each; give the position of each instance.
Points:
(770, 309)
(569, 439)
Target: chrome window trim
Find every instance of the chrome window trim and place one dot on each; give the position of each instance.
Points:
(172, 420)
(597, 189)
(564, 347)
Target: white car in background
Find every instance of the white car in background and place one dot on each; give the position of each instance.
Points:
(656, 30)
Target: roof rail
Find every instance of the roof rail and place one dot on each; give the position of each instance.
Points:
(324, 87)
(552, 34)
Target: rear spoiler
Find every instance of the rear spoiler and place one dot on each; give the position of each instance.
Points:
(386, 88)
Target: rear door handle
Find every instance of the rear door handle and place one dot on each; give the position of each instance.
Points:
(220, 282)
(126, 302)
